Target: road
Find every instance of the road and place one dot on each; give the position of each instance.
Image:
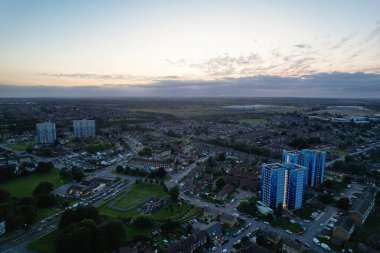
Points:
(24, 153)
(20, 242)
(307, 237)
(374, 145)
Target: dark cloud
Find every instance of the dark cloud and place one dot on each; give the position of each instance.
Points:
(336, 84)
(302, 45)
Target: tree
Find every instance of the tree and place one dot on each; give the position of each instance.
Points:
(143, 221)
(348, 158)
(119, 169)
(43, 188)
(77, 215)
(174, 192)
(78, 237)
(325, 198)
(161, 172)
(43, 167)
(344, 204)
(221, 157)
(346, 180)
(111, 235)
(278, 210)
(220, 182)
(78, 176)
(46, 200)
(146, 151)
(4, 196)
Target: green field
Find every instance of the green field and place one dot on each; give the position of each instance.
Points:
(155, 133)
(45, 244)
(337, 152)
(142, 192)
(22, 146)
(24, 186)
(253, 121)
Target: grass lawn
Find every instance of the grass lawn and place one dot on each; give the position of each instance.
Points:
(304, 213)
(24, 186)
(285, 224)
(373, 220)
(22, 146)
(45, 244)
(142, 192)
(253, 121)
(43, 213)
(337, 152)
(155, 133)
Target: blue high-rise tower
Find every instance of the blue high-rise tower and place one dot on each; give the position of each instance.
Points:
(314, 160)
(295, 187)
(272, 184)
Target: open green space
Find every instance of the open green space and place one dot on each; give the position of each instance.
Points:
(139, 194)
(23, 186)
(373, 220)
(287, 225)
(253, 121)
(43, 213)
(22, 146)
(155, 133)
(337, 152)
(305, 212)
(45, 244)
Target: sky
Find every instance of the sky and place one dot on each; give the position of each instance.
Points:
(85, 48)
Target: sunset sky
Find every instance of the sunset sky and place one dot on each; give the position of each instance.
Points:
(306, 48)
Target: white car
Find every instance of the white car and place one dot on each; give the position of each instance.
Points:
(214, 248)
(224, 251)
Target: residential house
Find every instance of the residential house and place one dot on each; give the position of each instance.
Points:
(214, 230)
(211, 214)
(291, 246)
(225, 192)
(190, 244)
(229, 219)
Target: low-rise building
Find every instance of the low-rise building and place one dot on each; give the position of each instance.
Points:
(345, 226)
(291, 246)
(229, 219)
(362, 207)
(190, 244)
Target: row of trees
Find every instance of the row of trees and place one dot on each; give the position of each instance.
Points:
(83, 230)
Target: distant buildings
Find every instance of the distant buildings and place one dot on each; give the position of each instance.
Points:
(46, 133)
(314, 160)
(84, 128)
(283, 184)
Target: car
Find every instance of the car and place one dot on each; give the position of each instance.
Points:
(316, 241)
(214, 248)
(322, 224)
(224, 251)
(265, 222)
(288, 231)
(307, 221)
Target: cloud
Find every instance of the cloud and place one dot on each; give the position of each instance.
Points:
(336, 84)
(302, 46)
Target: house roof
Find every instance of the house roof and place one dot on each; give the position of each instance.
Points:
(226, 216)
(213, 229)
(292, 244)
(187, 244)
(345, 223)
(364, 201)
